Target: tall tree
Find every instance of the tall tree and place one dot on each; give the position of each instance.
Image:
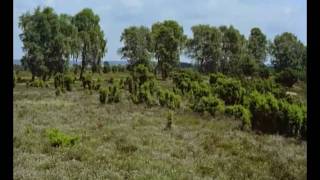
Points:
(233, 45)
(168, 42)
(205, 47)
(137, 46)
(257, 45)
(47, 41)
(288, 52)
(92, 45)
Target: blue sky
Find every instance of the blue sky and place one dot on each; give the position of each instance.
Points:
(271, 16)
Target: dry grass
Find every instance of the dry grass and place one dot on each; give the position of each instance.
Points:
(127, 141)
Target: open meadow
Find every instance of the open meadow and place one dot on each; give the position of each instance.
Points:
(129, 141)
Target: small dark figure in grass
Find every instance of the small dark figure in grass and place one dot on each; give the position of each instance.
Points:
(169, 120)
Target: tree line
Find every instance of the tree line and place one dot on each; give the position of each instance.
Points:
(50, 40)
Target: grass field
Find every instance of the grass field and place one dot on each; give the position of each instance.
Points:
(128, 141)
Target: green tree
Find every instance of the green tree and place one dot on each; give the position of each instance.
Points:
(257, 45)
(137, 46)
(233, 45)
(288, 52)
(48, 41)
(168, 42)
(92, 45)
(205, 47)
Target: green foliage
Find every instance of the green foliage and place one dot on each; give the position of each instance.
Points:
(168, 41)
(214, 77)
(287, 77)
(288, 52)
(141, 74)
(97, 84)
(242, 113)
(57, 138)
(137, 45)
(103, 95)
(114, 93)
(257, 45)
(205, 47)
(276, 116)
(68, 81)
(87, 81)
(169, 99)
(91, 37)
(210, 104)
(228, 89)
(38, 83)
(264, 86)
(183, 79)
(199, 90)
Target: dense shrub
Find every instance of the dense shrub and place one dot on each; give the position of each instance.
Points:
(263, 72)
(214, 77)
(114, 93)
(241, 113)
(169, 99)
(264, 86)
(87, 81)
(57, 138)
(141, 74)
(146, 93)
(228, 89)
(184, 78)
(199, 90)
(210, 104)
(103, 95)
(276, 116)
(68, 81)
(287, 77)
(97, 84)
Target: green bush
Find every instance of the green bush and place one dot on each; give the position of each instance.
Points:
(68, 81)
(37, 83)
(141, 74)
(87, 81)
(146, 93)
(214, 77)
(287, 77)
(97, 84)
(277, 116)
(228, 89)
(199, 89)
(183, 79)
(57, 138)
(241, 113)
(264, 86)
(103, 95)
(211, 104)
(114, 93)
(169, 99)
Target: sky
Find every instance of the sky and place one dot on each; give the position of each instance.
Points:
(273, 17)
